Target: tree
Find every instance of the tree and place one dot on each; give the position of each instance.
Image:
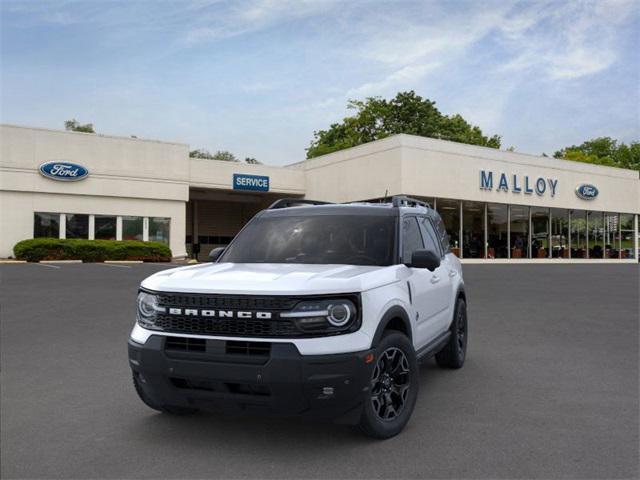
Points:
(604, 151)
(75, 126)
(377, 118)
(252, 161)
(219, 155)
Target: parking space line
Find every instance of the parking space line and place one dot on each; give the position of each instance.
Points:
(114, 265)
(47, 265)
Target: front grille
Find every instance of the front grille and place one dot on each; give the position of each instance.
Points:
(234, 327)
(230, 302)
(186, 344)
(262, 349)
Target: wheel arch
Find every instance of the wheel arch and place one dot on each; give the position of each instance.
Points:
(396, 318)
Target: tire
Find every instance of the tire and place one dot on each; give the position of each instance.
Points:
(454, 352)
(391, 395)
(168, 409)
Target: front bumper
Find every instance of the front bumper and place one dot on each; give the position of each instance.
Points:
(281, 382)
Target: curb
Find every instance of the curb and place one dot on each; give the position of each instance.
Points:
(60, 261)
(7, 261)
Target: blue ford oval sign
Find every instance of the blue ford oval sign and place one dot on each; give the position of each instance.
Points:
(63, 171)
(586, 191)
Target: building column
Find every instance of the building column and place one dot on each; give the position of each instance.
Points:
(63, 225)
(118, 227)
(635, 237)
(145, 229)
(92, 227)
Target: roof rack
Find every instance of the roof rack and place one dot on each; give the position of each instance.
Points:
(295, 202)
(404, 201)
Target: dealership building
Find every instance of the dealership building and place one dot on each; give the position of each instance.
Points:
(498, 206)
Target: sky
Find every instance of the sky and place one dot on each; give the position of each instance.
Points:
(258, 77)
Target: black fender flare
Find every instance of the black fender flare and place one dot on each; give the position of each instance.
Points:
(394, 312)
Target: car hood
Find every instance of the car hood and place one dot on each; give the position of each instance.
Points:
(272, 278)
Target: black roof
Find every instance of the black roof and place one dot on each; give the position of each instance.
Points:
(380, 210)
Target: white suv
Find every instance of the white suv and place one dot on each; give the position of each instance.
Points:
(314, 309)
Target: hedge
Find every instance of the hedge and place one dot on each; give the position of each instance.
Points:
(36, 249)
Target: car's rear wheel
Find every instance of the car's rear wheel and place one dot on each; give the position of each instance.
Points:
(454, 352)
(393, 388)
(171, 410)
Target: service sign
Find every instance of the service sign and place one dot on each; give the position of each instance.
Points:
(586, 191)
(256, 183)
(63, 171)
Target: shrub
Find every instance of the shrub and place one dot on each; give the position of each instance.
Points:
(36, 249)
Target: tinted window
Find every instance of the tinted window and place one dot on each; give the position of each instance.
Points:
(411, 238)
(441, 230)
(105, 227)
(46, 225)
(429, 236)
(77, 226)
(316, 239)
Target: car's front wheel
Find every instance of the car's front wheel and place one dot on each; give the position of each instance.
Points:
(393, 388)
(454, 352)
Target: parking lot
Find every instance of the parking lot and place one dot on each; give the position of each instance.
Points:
(549, 390)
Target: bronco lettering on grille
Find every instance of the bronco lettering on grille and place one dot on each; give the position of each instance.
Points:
(193, 312)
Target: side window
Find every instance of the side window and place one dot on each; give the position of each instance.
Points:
(411, 238)
(442, 234)
(430, 239)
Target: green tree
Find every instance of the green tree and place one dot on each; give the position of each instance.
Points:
(219, 155)
(74, 126)
(377, 118)
(604, 151)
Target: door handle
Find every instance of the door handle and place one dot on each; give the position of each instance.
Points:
(435, 279)
(452, 273)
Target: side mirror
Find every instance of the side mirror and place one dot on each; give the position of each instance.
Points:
(214, 254)
(425, 259)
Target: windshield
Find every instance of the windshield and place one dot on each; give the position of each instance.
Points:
(319, 239)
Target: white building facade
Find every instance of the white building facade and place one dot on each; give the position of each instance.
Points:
(498, 206)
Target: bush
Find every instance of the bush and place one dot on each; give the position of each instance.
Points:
(36, 249)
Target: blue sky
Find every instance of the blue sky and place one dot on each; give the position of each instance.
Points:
(258, 77)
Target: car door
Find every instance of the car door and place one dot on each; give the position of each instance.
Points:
(442, 275)
(425, 286)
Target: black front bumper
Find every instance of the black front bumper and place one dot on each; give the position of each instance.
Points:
(280, 382)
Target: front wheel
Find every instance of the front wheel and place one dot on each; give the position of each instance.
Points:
(454, 352)
(393, 388)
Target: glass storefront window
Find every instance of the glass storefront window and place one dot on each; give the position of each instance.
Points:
(497, 231)
(77, 226)
(539, 232)
(46, 225)
(559, 233)
(519, 231)
(578, 234)
(105, 227)
(159, 229)
(132, 228)
(473, 230)
(596, 235)
(449, 210)
(611, 236)
(626, 237)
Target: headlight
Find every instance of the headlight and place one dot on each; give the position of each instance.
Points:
(147, 309)
(330, 315)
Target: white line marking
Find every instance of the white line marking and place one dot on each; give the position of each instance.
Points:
(113, 265)
(47, 265)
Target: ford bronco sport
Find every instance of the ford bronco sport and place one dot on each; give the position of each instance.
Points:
(313, 309)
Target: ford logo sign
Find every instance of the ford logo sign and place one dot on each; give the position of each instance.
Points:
(63, 171)
(586, 191)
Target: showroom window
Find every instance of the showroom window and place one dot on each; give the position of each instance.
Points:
(77, 226)
(132, 228)
(106, 227)
(46, 225)
(611, 235)
(626, 236)
(159, 229)
(539, 232)
(449, 211)
(578, 234)
(473, 241)
(519, 229)
(497, 231)
(595, 237)
(559, 233)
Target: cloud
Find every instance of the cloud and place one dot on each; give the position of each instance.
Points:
(400, 79)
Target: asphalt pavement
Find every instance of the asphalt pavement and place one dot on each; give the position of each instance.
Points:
(549, 390)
